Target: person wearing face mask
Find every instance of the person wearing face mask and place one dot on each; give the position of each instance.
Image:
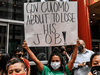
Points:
(64, 54)
(19, 54)
(56, 65)
(95, 64)
(16, 66)
(82, 60)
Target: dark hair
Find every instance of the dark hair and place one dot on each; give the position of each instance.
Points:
(56, 50)
(13, 61)
(19, 49)
(97, 53)
(62, 68)
(4, 58)
(62, 49)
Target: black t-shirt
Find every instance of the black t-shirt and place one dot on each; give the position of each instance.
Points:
(65, 58)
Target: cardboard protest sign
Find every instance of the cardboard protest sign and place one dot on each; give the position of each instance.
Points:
(51, 23)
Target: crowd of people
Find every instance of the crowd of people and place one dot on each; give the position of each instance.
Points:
(81, 62)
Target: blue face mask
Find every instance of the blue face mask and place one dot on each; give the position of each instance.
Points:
(95, 70)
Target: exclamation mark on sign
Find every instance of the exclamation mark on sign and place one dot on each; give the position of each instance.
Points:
(64, 35)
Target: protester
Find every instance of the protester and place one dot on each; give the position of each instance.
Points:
(16, 66)
(82, 59)
(95, 64)
(64, 54)
(55, 64)
(19, 54)
(4, 57)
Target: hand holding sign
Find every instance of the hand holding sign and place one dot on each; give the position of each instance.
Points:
(78, 42)
(25, 45)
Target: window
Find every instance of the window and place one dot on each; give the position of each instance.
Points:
(13, 8)
(3, 37)
(16, 37)
(40, 52)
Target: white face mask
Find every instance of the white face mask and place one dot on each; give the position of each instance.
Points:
(55, 65)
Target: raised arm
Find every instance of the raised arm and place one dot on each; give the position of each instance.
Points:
(33, 57)
(71, 62)
(64, 52)
(28, 71)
